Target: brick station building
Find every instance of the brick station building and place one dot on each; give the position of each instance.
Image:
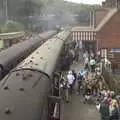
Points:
(104, 34)
(108, 33)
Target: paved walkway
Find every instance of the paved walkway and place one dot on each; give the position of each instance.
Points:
(76, 109)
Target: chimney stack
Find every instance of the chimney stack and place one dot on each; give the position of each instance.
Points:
(103, 4)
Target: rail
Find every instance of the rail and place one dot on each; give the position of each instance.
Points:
(12, 35)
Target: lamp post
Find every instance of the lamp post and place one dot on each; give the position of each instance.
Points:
(5, 9)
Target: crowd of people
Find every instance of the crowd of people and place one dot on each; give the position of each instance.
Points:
(90, 84)
(84, 80)
(109, 105)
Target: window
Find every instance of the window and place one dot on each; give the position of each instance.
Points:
(115, 50)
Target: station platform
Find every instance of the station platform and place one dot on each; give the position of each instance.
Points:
(76, 109)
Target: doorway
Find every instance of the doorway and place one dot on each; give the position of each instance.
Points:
(89, 46)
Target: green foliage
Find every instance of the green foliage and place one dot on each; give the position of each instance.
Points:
(11, 27)
(22, 10)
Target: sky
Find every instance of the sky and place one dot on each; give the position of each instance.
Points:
(87, 1)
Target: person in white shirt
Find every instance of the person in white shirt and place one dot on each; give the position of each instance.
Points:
(70, 81)
(92, 65)
(70, 78)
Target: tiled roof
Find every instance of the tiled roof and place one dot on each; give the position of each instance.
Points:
(110, 14)
(99, 15)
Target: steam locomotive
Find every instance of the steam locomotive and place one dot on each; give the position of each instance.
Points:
(10, 57)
